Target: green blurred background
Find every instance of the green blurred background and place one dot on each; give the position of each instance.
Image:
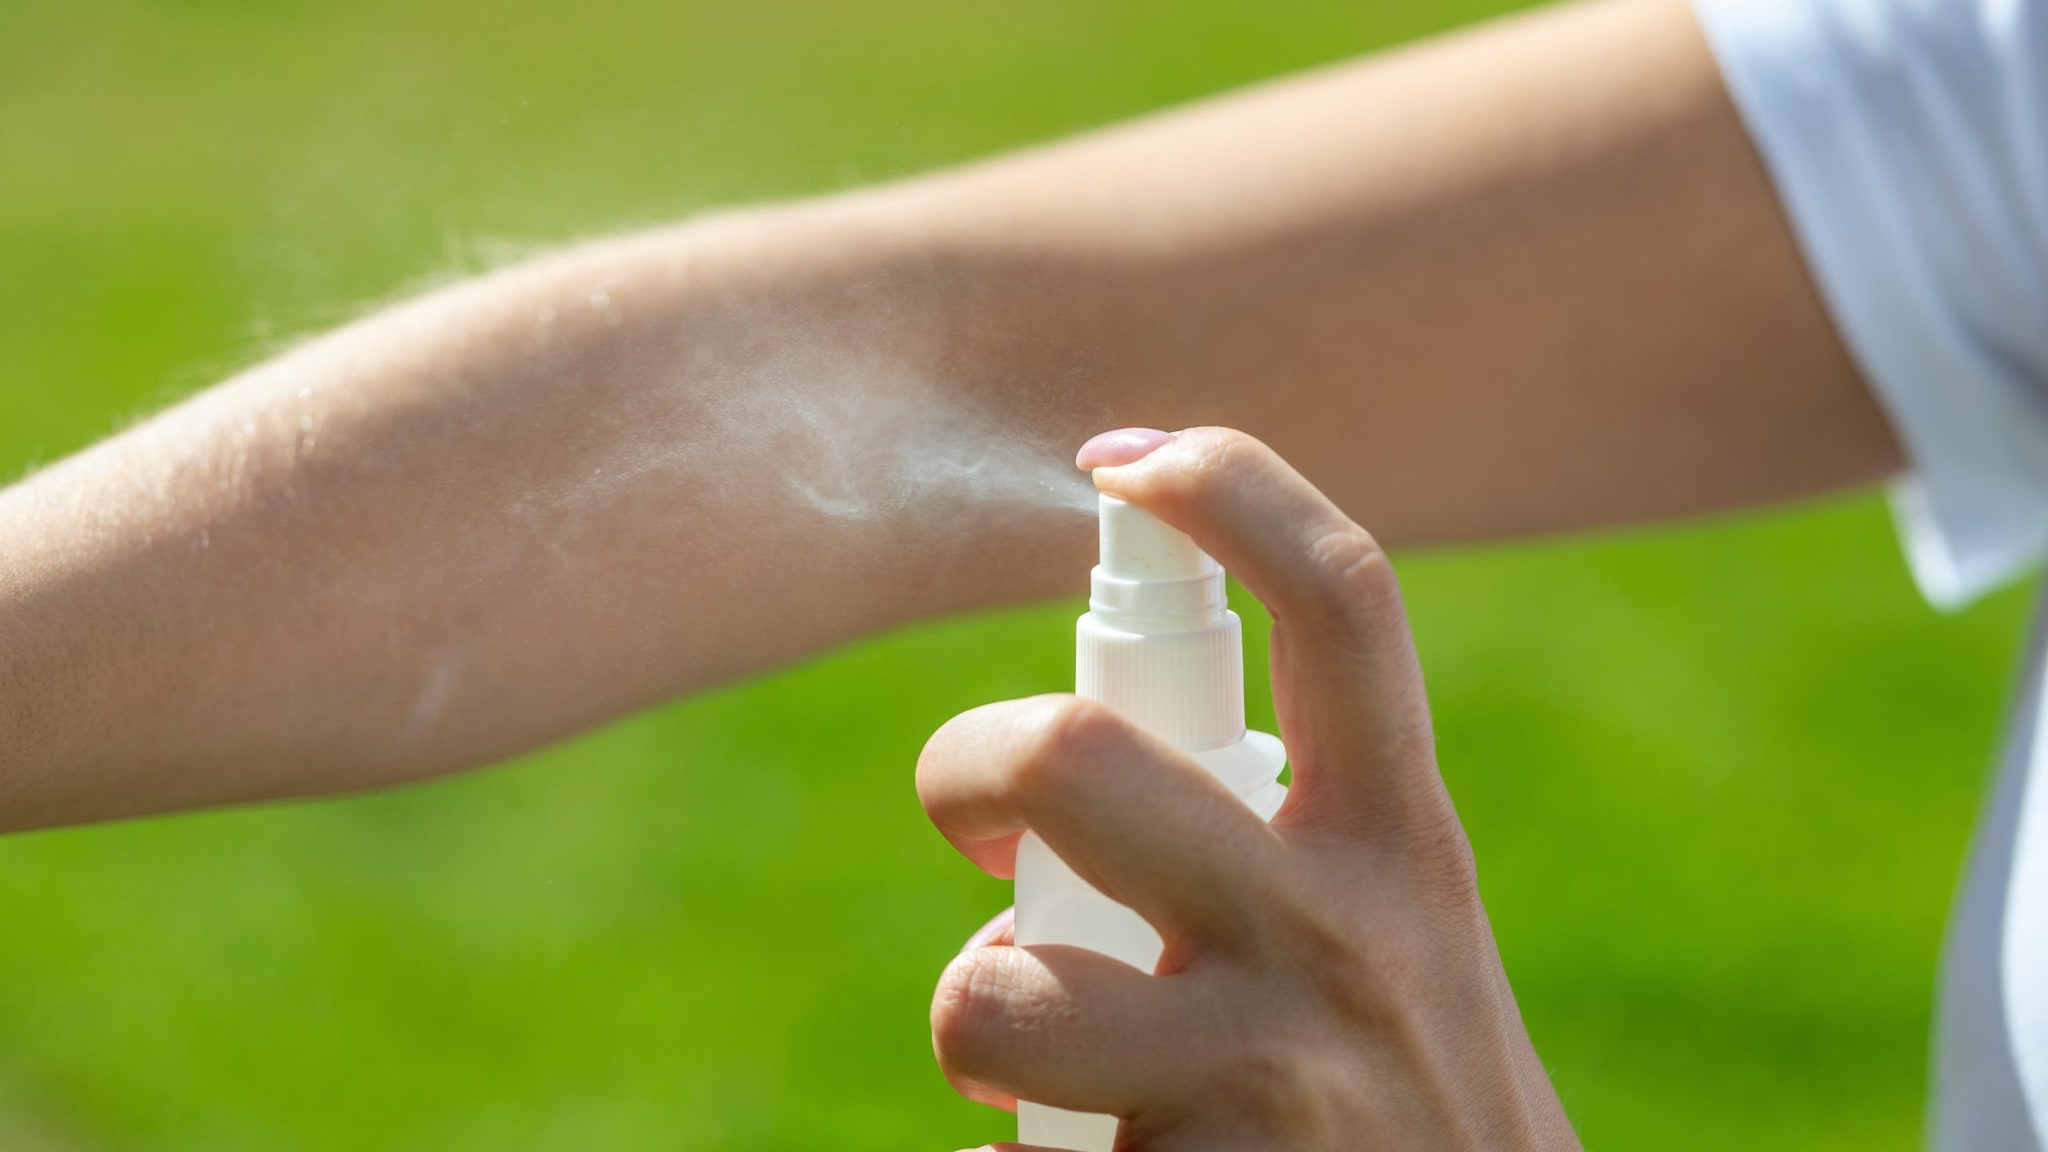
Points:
(1719, 779)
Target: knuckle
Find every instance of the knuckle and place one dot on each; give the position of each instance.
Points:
(1443, 861)
(968, 1009)
(1218, 459)
(1357, 574)
(1068, 737)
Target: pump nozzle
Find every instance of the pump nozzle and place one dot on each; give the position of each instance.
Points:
(1136, 545)
(1152, 579)
(1159, 643)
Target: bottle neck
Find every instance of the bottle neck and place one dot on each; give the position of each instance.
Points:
(1184, 685)
(1158, 607)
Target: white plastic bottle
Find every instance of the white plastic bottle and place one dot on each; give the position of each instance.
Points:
(1160, 646)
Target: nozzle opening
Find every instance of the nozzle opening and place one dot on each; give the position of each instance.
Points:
(1152, 578)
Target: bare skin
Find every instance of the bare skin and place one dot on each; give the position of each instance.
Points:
(1526, 279)
(1330, 981)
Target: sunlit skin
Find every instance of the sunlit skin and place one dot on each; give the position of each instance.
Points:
(1528, 278)
(1330, 981)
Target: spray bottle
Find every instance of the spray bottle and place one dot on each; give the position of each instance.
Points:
(1160, 646)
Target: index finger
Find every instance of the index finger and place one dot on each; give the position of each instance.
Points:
(1352, 702)
(1134, 818)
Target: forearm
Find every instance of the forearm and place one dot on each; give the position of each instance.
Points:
(1525, 280)
(512, 509)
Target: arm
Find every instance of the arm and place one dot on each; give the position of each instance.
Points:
(1530, 278)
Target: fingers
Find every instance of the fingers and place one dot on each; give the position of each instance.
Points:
(999, 932)
(983, 1094)
(1059, 1026)
(1139, 821)
(1355, 714)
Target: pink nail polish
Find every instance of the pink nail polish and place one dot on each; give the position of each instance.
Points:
(1123, 446)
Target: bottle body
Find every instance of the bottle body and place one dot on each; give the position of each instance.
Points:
(1055, 906)
(1160, 646)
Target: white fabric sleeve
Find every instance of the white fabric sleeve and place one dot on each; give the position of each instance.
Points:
(1908, 140)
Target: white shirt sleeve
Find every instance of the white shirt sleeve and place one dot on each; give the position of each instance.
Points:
(1908, 140)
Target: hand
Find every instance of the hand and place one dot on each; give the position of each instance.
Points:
(1330, 981)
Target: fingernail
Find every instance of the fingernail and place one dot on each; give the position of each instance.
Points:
(999, 930)
(1123, 446)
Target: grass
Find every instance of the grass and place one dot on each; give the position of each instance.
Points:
(1719, 779)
